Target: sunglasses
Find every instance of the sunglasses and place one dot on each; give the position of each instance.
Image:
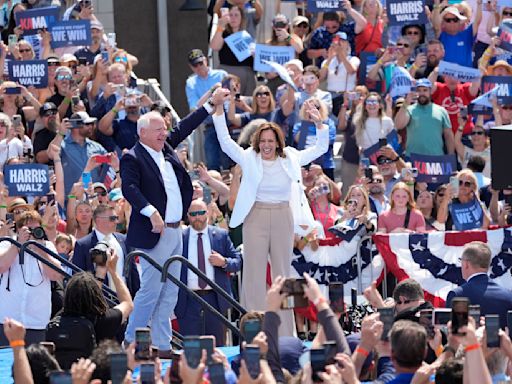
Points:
(507, 108)
(467, 184)
(260, 94)
(51, 112)
(377, 181)
(25, 50)
(197, 213)
(53, 64)
(384, 161)
(507, 13)
(110, 218)
(440, 194)
(450, 20)
(413, 33)
(405, 45)
(102, 193)
(64, 77)
(119, 59)
(372, 102)
(478, 133)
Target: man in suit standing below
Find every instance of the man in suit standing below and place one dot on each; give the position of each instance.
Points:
(210, 249)
(105, 221)
(479, 288)
(159, 191)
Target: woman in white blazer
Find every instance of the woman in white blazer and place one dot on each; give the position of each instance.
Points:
(270, 202)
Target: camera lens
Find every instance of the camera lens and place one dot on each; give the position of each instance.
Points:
(38, 233)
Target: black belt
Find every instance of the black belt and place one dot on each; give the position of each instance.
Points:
(203, 292)
(173, 225)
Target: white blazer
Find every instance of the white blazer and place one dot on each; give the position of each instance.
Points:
(252, 168)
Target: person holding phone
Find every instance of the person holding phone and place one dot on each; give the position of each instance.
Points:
(481, 145)
(271, 201)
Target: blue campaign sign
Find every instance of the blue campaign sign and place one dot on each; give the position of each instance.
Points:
(503, 85)
(402, 12)
(467, 216)
(27, 179)
(276, 54)
(401, 83)
(315, 6)
(71, 33)
(373, 152)
(33, 20)
(29, 72)
(505, 36)
(240, 44)
(434, 169)
(459, 72)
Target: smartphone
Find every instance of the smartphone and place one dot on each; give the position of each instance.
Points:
(226, 83)
(383, 142)
(16, 120)
(492, 326)
(353, 296)
(442, 316)
(251, 356)
(474, 312)
(368, 173)
(336, 299)
(216, 373)
(9, 217)
(365, 162)
(111, 38)
(387, 317)
(12, 90)
(60, 377)
(193, 350)
(12, 40)
(294, 290)
(86, 179)
(464, 112)
(49, 346)
(142, 343)
(102, 159)
(118, 367)
(330, 352)
(509, 322)
(104, 56)
(454, 182)
(207, 194)
(147, 373)
(460, 313)
(208, 344)
(317, 358)
(75, 123)
(251, 328)
(224, 11)
(82, 61)
(75, 100)
(426, 320)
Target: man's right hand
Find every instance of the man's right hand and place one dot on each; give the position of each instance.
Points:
(157, 222)
(219, 96)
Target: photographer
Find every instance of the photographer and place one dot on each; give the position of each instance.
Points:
(25, 289)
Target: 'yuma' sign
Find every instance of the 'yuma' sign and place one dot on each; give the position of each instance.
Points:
(402, 12)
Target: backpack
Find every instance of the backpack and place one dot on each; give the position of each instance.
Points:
(74, 337)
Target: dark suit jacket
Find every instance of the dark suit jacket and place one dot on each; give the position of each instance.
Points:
(221, 243)
(82, 259)
(143, 184)
(493, 298)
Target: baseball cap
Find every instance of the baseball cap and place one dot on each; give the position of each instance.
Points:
(115, 194)
(49, 106)
(341, 35)
(195, 56)
(84, 116)
(455, 12)
(99, 185)
(95, 24)
(67, 57)
(297, 63)
(423, 83)
(52, 59)
(299, 19)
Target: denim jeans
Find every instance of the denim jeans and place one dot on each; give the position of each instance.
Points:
(155, 300)
(215, 158)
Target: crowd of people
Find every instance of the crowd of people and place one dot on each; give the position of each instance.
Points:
(122, 178)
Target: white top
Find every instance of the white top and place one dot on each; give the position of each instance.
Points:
(275, 186)
(338, 80)
(375, 130)
(29, 305)
(11, 150)
(192, 279)
(174, 207)
(112, 241)
(486, 154)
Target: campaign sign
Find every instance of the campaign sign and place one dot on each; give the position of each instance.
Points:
(71, 33)
(402, 12)
(401, 83)
(434, 169)
(33, 20)
(316, 6)
(276, 54)
(504, 85)
(505, 36)
(29, 72)
(373, 152)
(466, 216)
(27, 179)
(459, 72)
(282, 72)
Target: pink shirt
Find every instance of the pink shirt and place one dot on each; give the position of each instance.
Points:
(391, 221)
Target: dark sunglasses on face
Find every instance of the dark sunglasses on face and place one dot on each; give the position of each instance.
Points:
(451, 20)
(260, 94)
(54, 64)
(25, 50)
(405, 45)
(507, 107)
(64, 77)
(119, 59)
(505, 13)
(440, 194)
(384, 161)
(51, 112)
(197, 213)
(467, 184)
(101, 193)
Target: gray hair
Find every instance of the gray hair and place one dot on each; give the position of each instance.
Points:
(6, 120)
(145, 120)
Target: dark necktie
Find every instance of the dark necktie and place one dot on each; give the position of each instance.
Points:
(200, 260)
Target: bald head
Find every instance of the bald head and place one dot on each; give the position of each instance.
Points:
(198, 214)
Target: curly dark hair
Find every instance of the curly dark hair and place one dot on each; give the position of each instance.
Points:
(83, 296)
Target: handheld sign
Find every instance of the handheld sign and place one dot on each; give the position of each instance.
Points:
(467, 216)
(71, 33)
(402, 12)
(503, 85)
(241, 44)
(401, 83)
(29, 72)
(33, 20)
(373, 152)
(434, 169)
(282, 72)
(276, 54)
(459, 72)
(505, 36)
(27, 179)
(315, 6)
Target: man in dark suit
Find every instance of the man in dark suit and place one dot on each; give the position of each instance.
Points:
(479, 288)
(160, 191)
(210, 249)
(105, 221)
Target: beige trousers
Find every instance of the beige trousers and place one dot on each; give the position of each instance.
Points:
(268, 230)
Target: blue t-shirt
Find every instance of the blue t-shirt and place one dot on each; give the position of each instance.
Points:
(459, 48)
(326, 161)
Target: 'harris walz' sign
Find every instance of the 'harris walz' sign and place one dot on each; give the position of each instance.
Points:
(27, 179)
(402, 12)
(29, 72)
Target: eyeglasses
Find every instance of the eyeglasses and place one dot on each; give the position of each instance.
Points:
(119, 59)
(51, 112)
(405, 45)
(478, 133)
(101, 193)
(63, 77)
(25, 50)
(504, 13)
(384, 160)
(371, 102)
(451, 20)
(110, 218)
(197, 213)
(260, 94)
(302, 25)
(413, 32)
(467, 184)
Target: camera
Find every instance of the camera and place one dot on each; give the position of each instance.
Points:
(38, 233)
(99, 253)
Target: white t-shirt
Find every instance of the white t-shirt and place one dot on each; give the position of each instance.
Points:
(375, 130)
(338, 80)
(11, 150)
(275, 186)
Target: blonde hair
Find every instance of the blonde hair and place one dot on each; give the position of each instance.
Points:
(262, 88)
(365, 197)
(401, 185)
(469, 173)
(379, 6)
(361, 116)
